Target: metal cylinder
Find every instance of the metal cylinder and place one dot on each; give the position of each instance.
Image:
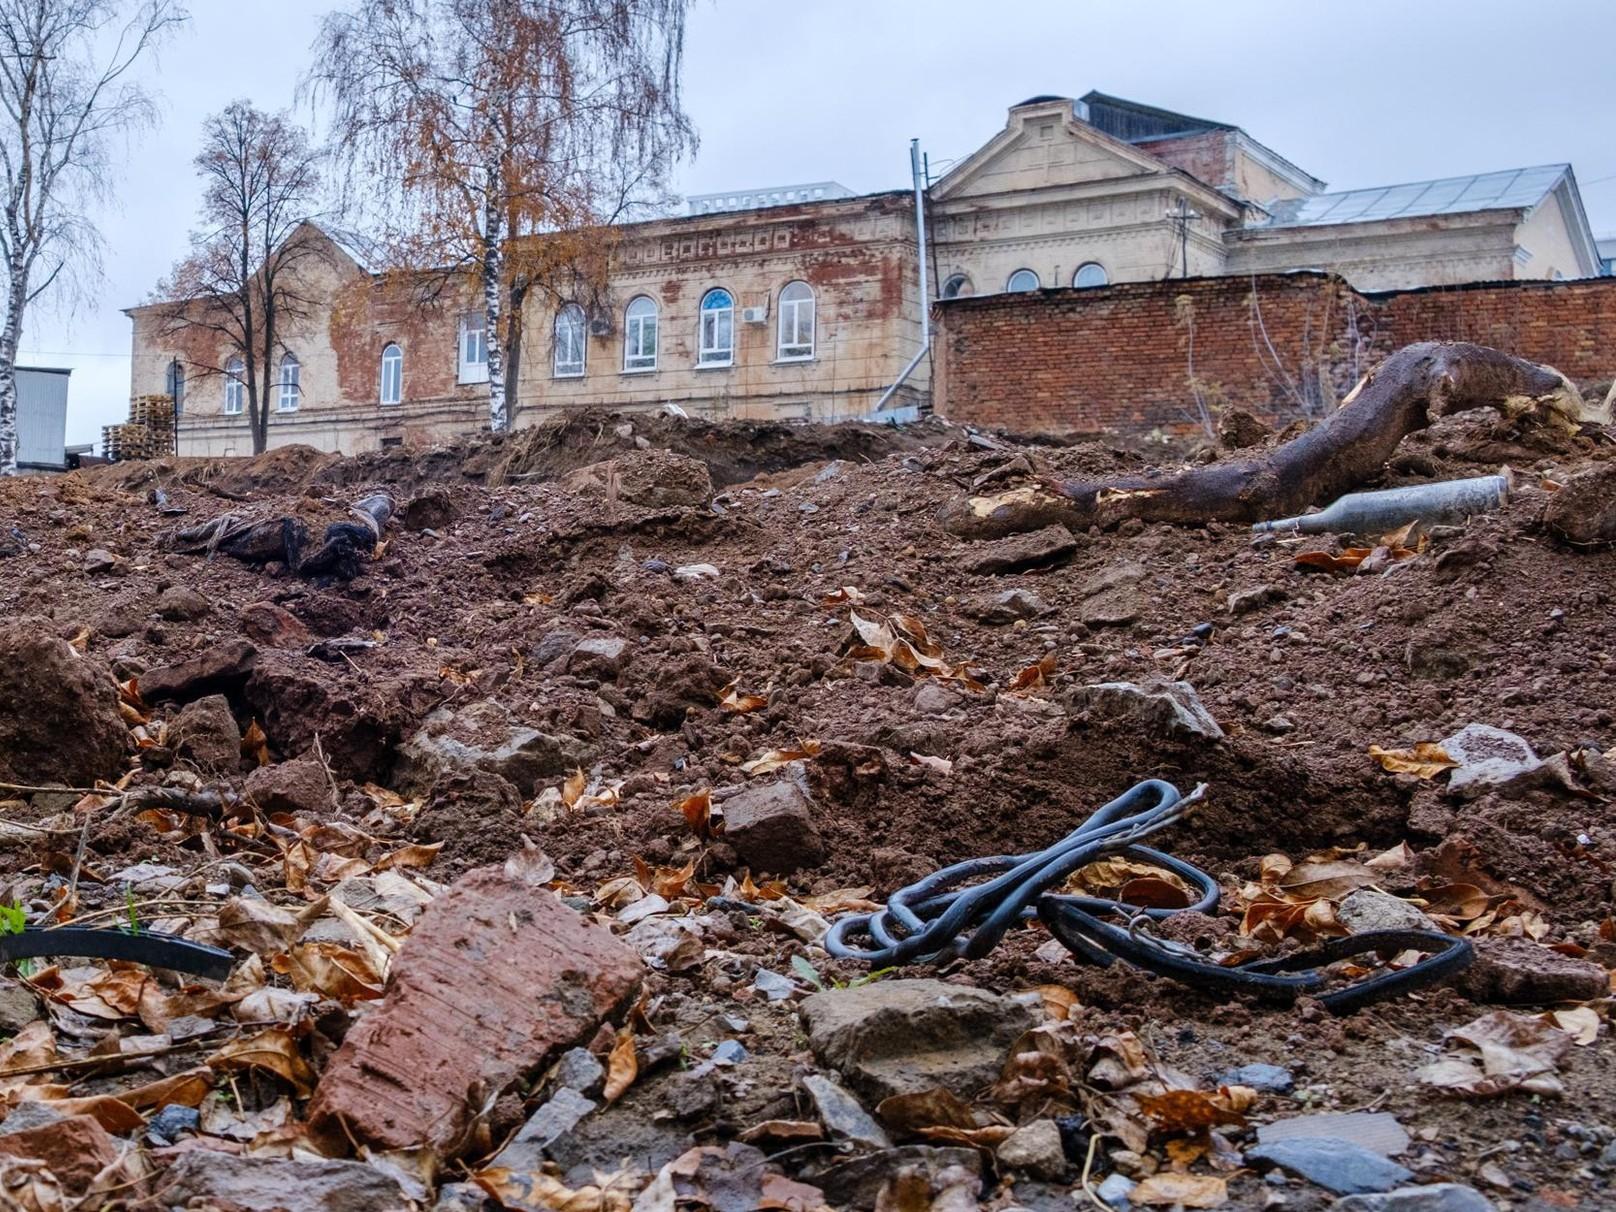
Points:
(1368, 512)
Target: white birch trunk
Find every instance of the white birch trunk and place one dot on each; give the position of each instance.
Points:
(10, 337)
(499, 420)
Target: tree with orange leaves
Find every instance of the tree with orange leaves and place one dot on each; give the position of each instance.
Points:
(469, 128)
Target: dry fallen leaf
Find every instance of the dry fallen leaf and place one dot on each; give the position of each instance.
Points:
(1197, 1110)
(731, 700)
(527, 1191)
(1498, 1053)
(1036, 676)
(908, 1114)
(622, 1066)
(1581, 1023)
(775, 758)
(273, 1051)
(1425, 760)
(1348, 560)
(939, 764)
(697, 811)
(1185, 1190)
(783, 1131)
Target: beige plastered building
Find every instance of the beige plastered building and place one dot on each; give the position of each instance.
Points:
(806, 301)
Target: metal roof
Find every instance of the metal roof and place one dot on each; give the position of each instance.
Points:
(1511, 189)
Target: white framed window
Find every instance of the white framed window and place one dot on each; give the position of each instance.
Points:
(796, 323)
(1090, 274)
(474, 347)
(291, 384)
(235, 391)
(958, 286)
(174, 382)
(1021, 281)
(392, 374)
(640, 334)
(570, 329)
(717, 343)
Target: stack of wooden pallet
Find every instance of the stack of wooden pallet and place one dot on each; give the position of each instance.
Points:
(148, 434)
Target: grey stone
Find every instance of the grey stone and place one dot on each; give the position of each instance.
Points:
(1438, 1197)
(272, 1184)
(171, 1123)
(772, 985)
(205, 733)
(905, 1036)
(1378, 1131)
(842, 1114)
(218, 670)
(579, 1069)
(1488, 757)
(1114, 608)
(1115, 1190)
(600, 656)
(181, 604)
(1121, 575)
(933, 698)
(528, 1149)
(1035, 1149)
(552, 647)
(1339, 1166)
(18, 1006)
(730, 1052)
(29, 1114)
(1370, 909)
(1269, 1079)
(1154, 705)
(772, 828)
(461, 1197)
(484, 736)
(670, 943)
(99, 560)
(1035, 549)
(1009, 606)
(1520, 971)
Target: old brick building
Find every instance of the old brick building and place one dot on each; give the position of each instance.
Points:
(806, 301)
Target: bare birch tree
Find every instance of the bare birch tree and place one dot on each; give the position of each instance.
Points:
(65, 92)
(471, 125)
(239, 286)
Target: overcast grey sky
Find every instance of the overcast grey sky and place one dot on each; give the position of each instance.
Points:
(1370, 92)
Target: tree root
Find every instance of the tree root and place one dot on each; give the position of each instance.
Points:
(1403, 394)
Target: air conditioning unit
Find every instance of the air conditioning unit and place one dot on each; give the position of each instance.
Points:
(600, 325)
(754, 315)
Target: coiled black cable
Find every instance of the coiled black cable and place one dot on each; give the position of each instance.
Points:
(946, 916)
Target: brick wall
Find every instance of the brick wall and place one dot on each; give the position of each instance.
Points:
(1144, 356)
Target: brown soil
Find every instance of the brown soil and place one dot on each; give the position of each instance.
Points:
(1493, 623)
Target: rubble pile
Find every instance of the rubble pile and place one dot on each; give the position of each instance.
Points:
(524, 822)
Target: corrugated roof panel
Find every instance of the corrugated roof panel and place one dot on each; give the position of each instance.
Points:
(1512, 189)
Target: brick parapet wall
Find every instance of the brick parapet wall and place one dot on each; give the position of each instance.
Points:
(1138, 356)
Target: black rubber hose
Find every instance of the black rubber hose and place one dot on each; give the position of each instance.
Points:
(153, 950)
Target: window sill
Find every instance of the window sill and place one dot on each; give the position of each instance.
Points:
(795, 359)
(730, 365)
(638, 370)
(571, 374)
(476, 381)
(389, 403)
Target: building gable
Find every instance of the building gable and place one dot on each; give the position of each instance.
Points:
(1042, 145)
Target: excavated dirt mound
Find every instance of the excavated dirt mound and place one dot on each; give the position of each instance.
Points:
(611, 629)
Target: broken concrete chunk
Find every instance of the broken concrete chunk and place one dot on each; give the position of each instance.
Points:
(1518, 971)
(1487, 757)
(50, 695)
(1243, 601)
(1036, 549)
(902, 1037)
(1035, 1149)
(1370, 909)
(181, 604)
(497, 977)
(18, 1008)
(275, 626)
(75, 1148)
(1008, 607)
(1339, 1166)
(223, 669)
(271, 1184)
(600, 656)
(484, 736)
(653, 478)
(772, 828)
(1266, 1079)
(205, 733)
(1583, 513)
(842, 1114)
(1154, 706)
(579, 1069)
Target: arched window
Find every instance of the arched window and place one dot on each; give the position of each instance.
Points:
(175, 385)
(640, 335)
(291, 384)
(957, 287)
(568, 359)
(1090, 273)
(1022, 280)
(717, 344)
(235, 391)
(796, 322)
(392, 375)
